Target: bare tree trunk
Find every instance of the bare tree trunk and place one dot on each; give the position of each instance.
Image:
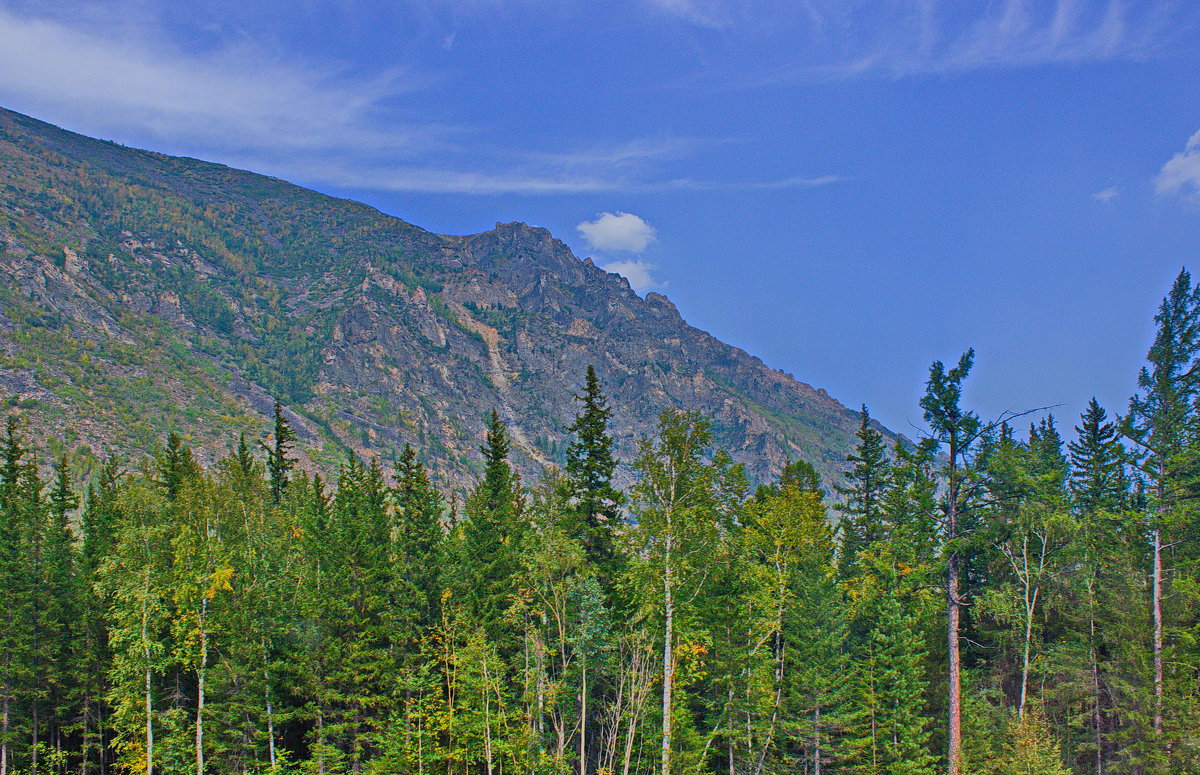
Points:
(583, 716)
(1096, 712)
(487, 718)
(149, 721)
(953, 619)
(149, 696)
(668, 661)
(776, 702)
(817, 740)
(4, 725)
(1030, 606)
(201, 674)
(33, 750)
(1158, 632)
(270, 720)
(321, 738)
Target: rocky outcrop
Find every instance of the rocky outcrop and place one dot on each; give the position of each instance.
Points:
(375, 332)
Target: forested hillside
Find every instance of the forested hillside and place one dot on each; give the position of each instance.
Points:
(140, 291)
(991, 601)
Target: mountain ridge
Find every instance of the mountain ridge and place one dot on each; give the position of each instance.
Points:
(197, 292)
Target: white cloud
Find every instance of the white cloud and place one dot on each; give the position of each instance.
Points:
(637, 272)
(856, 38)
(1107, 194)
(624, 232)
(126, 77)
(1181, 175)
(236, 96)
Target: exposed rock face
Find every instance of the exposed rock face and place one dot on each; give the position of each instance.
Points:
(225, 288)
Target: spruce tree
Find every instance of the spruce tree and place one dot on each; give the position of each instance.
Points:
(99, 525)
(590, 465)
(176, 465)
(1158, 421)
(492, 533)
(417, 536)
(15, 592)
(279, 465)
(60, 610)
(1098, 480)
(862, 506)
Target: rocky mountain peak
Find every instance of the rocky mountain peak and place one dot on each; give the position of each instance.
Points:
(199, 293)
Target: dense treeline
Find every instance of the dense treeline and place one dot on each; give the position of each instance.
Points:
(982, 601)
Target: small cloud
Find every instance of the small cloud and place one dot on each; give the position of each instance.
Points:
(623, 232)
(1107, 194)
(1181, 175)
(637, 272)
(702, 13)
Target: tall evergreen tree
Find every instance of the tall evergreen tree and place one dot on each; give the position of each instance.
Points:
(417, 535)
(59, 605)
(590, 466)
(176, 465)
(15, 592)
(99, 524)
(957, 430)
(1158, 421)
(492, 534)
(862, 506)
(1099, 481)
(279, 464)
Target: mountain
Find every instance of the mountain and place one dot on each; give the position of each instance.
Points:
(143, 293)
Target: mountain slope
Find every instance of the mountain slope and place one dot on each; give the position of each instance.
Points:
(145, 292)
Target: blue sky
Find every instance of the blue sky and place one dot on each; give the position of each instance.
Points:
(846, 189)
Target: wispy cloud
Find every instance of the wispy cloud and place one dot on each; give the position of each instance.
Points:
(702, 13)
(1107, 194)
(239, 103)
(862, 38)
(535, 179)
(1181, 175)
(237, 96)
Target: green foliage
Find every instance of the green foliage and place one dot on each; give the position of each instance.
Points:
(242, 616)
(590, 464)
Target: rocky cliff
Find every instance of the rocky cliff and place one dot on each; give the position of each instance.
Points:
(143, 292)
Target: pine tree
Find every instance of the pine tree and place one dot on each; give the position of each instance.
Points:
(1158, 421)
(1099, 481)
(99, 524)
(862, 507)
(59, 605)
(957, 430)
(176, 465)
(279, 465)
(496, 525)
(589, 467)
(889, 731)
(417, 536)
(15, 592)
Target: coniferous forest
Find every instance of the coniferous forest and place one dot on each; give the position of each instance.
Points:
(986, 599)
